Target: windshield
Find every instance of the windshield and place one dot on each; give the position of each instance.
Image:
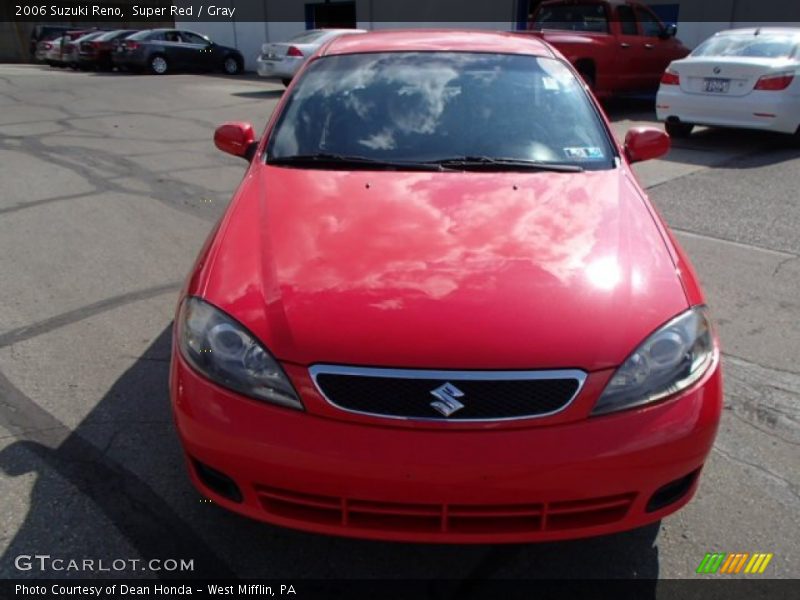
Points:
(762, 45)
(112, 34)
(428, 106)
(144, 34)
(574, 17)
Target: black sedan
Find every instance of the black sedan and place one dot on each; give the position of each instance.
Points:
(161, 51)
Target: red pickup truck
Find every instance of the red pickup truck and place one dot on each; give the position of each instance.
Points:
(619, 47)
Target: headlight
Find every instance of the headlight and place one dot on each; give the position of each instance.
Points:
(225, 352)
(668, 361)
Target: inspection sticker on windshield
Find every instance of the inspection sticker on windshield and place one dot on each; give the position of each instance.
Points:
(550, 83)
(583, 152)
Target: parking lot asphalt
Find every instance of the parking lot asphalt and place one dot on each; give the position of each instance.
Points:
(109, 185)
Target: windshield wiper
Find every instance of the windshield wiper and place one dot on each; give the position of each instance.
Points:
(501, 164)
(324, 159)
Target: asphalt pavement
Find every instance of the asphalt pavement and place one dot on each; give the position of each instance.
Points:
(110, 183)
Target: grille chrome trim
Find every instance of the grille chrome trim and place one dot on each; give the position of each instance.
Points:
(447, 375)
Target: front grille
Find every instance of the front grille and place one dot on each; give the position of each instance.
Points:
(473, 395)
(360, 514)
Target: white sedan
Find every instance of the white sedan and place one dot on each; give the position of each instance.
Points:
(282, 60)
(49, 51)
(738, 78)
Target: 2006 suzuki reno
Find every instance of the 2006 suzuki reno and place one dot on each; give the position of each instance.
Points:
(440, 308)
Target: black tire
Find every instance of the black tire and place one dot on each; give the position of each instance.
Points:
(232, 65)
(286, 82)
(587, 72)
(793, 139)
(158, 64)
(677, 129)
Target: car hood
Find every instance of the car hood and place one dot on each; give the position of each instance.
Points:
(443, 270)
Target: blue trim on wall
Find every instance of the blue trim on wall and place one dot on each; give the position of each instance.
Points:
(668, 13)
(522, 14)
(310, 15)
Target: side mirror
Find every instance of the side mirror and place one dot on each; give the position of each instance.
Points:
(237, 138)
(671, 30)
(644, 143)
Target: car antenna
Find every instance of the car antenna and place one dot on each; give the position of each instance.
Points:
(757, 31)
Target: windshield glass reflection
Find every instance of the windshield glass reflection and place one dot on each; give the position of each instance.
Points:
(428, 106)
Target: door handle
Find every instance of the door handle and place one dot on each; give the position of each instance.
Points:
(624, 45)
(649, 46)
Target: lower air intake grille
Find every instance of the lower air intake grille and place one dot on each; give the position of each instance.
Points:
(365, 515)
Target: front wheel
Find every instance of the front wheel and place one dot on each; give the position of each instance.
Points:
(677, 129)
(586, 71)
(793, 139)
(159, 65)
(232, 66)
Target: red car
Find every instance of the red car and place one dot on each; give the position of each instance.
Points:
(440, 308)
(619, 47)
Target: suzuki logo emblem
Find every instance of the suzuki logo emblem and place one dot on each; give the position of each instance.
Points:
(447, 403)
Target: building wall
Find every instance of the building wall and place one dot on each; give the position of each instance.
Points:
(695, 22)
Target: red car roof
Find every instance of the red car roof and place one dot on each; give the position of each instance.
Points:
(430, 40)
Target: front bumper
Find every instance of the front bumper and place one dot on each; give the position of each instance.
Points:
(767, 110)
(589, 477)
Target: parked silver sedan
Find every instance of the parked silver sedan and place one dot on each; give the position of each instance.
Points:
(282, 60)
(49, 51)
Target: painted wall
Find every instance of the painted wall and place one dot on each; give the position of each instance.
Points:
(694, 24)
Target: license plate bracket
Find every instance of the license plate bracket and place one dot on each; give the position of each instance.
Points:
(716, 86)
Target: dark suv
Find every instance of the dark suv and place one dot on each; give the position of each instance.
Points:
(163, 51)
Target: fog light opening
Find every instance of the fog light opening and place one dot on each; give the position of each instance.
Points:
(672, 492)
(217, 481)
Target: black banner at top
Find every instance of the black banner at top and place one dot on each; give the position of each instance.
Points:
(726, 12)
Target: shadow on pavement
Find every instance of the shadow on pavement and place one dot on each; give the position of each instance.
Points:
(633, 109)
(260, 94)
(115, 487)
(717, 147)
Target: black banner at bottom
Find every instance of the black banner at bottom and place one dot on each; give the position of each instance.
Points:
(534, 589)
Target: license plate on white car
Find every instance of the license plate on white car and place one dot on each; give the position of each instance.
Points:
(717, 86)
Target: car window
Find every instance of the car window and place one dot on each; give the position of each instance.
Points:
(172, 36)
(193, 38)
(627, 22)
(651, 26)
(307, 37)
(110, 35)
(574, 17)
(764, 45)
(413, 106)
